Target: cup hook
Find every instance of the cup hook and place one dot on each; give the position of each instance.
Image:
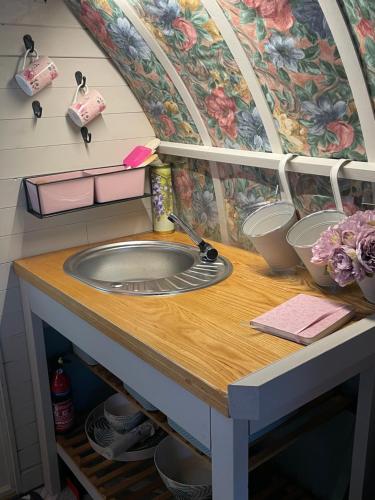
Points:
(333, 175)
(37, 109)
(86, 136)
(286, 195)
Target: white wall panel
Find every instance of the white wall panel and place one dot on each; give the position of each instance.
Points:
(8, 278)
(37, 12)
(54, 42)
(16, 220)
(36, 242)
(56, 101)
(10, 192)
(31, 133)
(23, 162)
(53, 144)
(99, 72)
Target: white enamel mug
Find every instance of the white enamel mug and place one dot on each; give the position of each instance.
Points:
(303, 236)
(37, 75)
(87, 105)
(267, 228)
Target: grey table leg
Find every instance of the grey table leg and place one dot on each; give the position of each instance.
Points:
(40, 379)
(362, 484)
(230, 448)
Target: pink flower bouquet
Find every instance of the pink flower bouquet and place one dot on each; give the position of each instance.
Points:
(348, 248)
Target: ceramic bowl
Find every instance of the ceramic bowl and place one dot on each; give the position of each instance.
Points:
(121, 414)
(185, 474)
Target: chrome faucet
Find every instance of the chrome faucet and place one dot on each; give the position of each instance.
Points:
(208, 253)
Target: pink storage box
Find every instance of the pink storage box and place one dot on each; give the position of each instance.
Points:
(117, 183)
(49, 194)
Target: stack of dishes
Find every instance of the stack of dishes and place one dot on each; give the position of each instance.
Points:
(118, 431)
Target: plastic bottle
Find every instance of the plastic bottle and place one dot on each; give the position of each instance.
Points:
(62, 404)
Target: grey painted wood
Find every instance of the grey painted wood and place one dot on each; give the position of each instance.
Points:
(185, 409)
(229, 457)
(39, 373)
(362, 481)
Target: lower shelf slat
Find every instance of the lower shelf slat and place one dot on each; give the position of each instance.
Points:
(106, 479)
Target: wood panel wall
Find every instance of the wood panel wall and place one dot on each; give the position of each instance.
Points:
(52, 144)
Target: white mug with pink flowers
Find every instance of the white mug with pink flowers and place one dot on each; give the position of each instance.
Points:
(37, 75)
(87, 105)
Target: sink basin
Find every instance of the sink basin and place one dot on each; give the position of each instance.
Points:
(146, 268)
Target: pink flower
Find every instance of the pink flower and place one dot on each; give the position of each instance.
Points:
(365, 27)
(77, 105)
(366, 248)
(277, 13)
(95, 23)
(169, 128)
(53, 74)
(188, 30)
(28, 74)
(222, 108)
(344, 267)
(327, 243)
(344, 133)
(184, 186)
(101, 107)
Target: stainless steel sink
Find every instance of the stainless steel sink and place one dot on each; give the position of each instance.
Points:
(146, 268)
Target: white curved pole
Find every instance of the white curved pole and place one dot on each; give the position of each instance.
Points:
(169, 68)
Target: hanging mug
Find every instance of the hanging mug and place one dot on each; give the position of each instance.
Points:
(85, 108)
(37, 75)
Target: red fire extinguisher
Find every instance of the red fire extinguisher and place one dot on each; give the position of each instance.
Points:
(62, 404)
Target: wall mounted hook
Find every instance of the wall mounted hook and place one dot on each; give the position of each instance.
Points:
(37, 109)
(29, 43)
(80, 79)
(86, 136)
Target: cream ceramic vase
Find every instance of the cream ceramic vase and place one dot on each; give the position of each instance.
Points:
(367, 285)
(162, 198)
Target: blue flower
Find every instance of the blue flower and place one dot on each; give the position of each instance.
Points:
(252, 131)
(309, 13)
(323, 112)
(164, 12)
(129, 40)
(283, 53)
(156, 108)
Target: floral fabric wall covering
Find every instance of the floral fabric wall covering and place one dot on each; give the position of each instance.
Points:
(195, 196)
(361, 19)
(294, 55)
(244, 187)
(196, 48)
(142, 71)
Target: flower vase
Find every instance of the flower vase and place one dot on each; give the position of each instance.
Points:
(162, 198)
(367, 285)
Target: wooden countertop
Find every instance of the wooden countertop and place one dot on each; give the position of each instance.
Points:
(200, 339)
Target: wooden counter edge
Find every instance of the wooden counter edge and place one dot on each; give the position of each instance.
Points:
(212, 396)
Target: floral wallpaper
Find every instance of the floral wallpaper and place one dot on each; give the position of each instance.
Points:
(142, 71)
(361, 19)
(244, 188)
(296, 60)
(196, 47)
(195, 196)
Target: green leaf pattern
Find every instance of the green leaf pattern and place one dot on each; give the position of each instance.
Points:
(140, 68)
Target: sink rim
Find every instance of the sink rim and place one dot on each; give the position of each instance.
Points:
(216, 271)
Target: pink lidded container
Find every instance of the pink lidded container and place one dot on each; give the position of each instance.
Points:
(49, 194)
(117, 183)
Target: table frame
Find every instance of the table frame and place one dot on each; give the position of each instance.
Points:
(295, 380)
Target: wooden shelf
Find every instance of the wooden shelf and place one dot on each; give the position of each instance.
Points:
(108, 480)
(268, 446)
(156, 416)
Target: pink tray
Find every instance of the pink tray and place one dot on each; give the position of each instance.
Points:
(117, 183)
(49, 194)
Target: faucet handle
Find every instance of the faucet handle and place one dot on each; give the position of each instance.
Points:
(208, 252)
